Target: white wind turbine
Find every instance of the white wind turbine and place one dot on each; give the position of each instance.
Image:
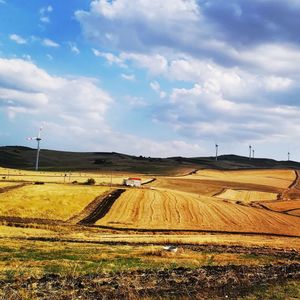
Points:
(38, 139)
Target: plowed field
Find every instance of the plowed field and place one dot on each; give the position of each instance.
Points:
(283, 205)
(295, 212)
(168, 210)
(247, 196)
(49, 201)
(275, 178)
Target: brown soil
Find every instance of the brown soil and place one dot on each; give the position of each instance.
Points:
(211, 282)
(99, 207)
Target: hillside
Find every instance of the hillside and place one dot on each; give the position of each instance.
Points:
(24, 158)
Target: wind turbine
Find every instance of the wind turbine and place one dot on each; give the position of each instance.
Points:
(217, 148)
(253, 151)
(250, 152)
(38, 139)
(289, 155)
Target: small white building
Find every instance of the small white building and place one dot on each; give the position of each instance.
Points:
(133, 181)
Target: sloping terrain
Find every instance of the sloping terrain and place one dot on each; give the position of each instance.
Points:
(50, 201)
(246, 196)
(276, 178)
(168, 210)
(24, 158)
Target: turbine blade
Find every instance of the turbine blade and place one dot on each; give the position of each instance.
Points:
(40, 131)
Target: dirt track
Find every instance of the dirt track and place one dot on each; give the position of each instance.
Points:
(13, 187)
(211, 282)
(293, 190)
(99, 210)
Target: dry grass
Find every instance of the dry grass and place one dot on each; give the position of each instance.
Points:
(28, 258)
(246, 196)
(274, 178)
(49, 201)
(168, 210)
(99, 235)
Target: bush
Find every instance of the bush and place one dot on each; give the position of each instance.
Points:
(90, 181)
(39, 182)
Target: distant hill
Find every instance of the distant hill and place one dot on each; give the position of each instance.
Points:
(24, 158)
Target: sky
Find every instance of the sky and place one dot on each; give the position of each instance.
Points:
(152, 77)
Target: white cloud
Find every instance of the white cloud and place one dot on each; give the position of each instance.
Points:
(44, 13)
(74, 48)
(18, 39)
(135, 101)
(27, 57)
(50, 43)
(155, 86)
(123, 24)
(45, 19)
(110, 58)
(129, 77)
(25, 85)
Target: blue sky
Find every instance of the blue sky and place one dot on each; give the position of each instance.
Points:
(152, 77)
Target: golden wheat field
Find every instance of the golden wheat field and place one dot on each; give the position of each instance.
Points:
(6, 184)
(49, 201)
(274, 178)
(246, 196)
(170, 210)
(64, 177)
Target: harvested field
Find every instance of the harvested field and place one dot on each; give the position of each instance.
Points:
(246, 196)
(94, 235)
(295, 212)
(65, 177)
(49, 201)
(283, 205)
(166, 210)
(5, 184)
(275, 178)
(187, 185)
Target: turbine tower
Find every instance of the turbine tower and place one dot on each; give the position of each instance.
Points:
(289, 156)
(253, 151)
(217, 148)
(250, 151)
(38, 139)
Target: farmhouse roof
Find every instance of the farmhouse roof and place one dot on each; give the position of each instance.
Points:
(134, 178)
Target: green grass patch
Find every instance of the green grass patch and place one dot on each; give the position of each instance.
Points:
(282, 291)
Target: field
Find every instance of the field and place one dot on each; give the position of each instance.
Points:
(246, 196)
(160, 210)
(65, 177)
(276, 178)
(48, 201)
(222, 222)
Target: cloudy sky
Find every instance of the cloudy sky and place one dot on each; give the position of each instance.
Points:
(152, 77)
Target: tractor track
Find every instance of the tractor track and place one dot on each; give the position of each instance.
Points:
(13, 187)
(293, 186)
(15, 221)
(100, 207)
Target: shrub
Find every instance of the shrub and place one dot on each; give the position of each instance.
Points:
(90, 181)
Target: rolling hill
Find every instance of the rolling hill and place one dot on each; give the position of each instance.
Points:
(23, 158)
